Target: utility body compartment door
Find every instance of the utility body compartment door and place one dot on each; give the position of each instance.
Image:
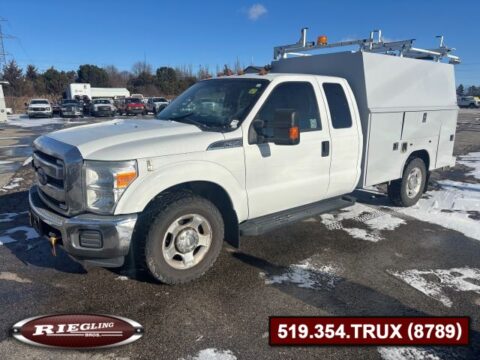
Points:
(446, 139)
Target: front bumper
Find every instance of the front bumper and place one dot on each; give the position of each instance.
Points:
(102, 112)
(72, 113)
(115, 233)
(135, 110)
(39, 113)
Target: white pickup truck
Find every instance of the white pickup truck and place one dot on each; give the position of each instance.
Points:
(242, 155)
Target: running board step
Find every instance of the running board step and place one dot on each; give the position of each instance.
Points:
(267, 223)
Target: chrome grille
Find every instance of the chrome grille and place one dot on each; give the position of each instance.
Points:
(50, 175)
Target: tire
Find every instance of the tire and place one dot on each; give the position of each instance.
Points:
(177, 214)
(402, 192)
(472, 106)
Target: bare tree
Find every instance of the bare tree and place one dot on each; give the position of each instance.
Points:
(141, 67)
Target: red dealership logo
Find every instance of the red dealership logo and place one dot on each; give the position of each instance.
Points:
(77, 331)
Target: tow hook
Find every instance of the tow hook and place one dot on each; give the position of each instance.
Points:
(53, 241)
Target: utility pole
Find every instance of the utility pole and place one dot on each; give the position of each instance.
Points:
(3, 54)
(3, 60)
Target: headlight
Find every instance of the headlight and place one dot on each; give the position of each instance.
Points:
(47, 109)
(105, 183)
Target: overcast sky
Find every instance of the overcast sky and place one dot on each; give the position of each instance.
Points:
(66, 34)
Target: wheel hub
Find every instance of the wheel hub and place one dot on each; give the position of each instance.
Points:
(186, 240)
(414, 182)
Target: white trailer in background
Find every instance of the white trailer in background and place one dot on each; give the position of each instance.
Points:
(3, 108)
(81, 90)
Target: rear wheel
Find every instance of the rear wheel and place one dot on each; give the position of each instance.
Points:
(184, 239)
(471, 106)
(408, 190)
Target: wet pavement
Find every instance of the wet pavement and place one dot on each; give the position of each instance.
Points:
(370, 259)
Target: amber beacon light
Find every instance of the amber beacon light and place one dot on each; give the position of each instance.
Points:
(322, 40)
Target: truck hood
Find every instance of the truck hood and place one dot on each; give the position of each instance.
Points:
(134, 139)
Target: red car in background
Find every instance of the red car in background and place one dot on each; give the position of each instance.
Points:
(132, 106)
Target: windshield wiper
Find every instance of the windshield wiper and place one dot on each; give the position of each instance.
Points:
(179, 117)
(184, 119)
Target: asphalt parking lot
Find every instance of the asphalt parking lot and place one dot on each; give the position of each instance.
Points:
(370, 259)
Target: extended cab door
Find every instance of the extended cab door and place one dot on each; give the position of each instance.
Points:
(346, 136)
(280, 177)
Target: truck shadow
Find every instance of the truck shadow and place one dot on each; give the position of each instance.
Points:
(24, 243)
(347, 298)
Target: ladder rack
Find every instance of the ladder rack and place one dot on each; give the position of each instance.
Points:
(402, 48)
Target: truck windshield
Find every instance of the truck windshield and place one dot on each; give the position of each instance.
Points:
(215, 103)
(101, 101)
(37, 102)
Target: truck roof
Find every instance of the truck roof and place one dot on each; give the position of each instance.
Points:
(272, 76)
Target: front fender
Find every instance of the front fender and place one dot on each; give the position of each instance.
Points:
(152, 183)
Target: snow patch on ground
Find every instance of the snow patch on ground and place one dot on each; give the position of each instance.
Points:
(22, 120)
(434, 282)
(9, 276)
(307, 274)
(454, 206)
(7, 217)
(14, 183)
(4, 162)
(407, 353)
(375, 220)
(212, 354)
(121, 278)
(27, 161)
(29, 234)
(472, 160)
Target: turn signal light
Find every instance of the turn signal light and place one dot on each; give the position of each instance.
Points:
(322, 40)
(125, 178)
(294, 133)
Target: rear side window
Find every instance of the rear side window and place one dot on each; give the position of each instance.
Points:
(338, 104)
(298, 96)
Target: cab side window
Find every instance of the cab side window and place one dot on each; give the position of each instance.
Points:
(298, 96)
(338, 105)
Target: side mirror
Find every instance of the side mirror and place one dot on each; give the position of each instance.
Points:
(285, 128)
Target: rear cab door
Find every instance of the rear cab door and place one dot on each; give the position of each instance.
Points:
(346, 135)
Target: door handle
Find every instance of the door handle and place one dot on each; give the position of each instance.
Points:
(325, 148)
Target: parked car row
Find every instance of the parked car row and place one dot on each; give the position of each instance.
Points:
(96, 107)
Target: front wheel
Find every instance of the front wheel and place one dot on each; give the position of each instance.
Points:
(408, 190)
(184, 239)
